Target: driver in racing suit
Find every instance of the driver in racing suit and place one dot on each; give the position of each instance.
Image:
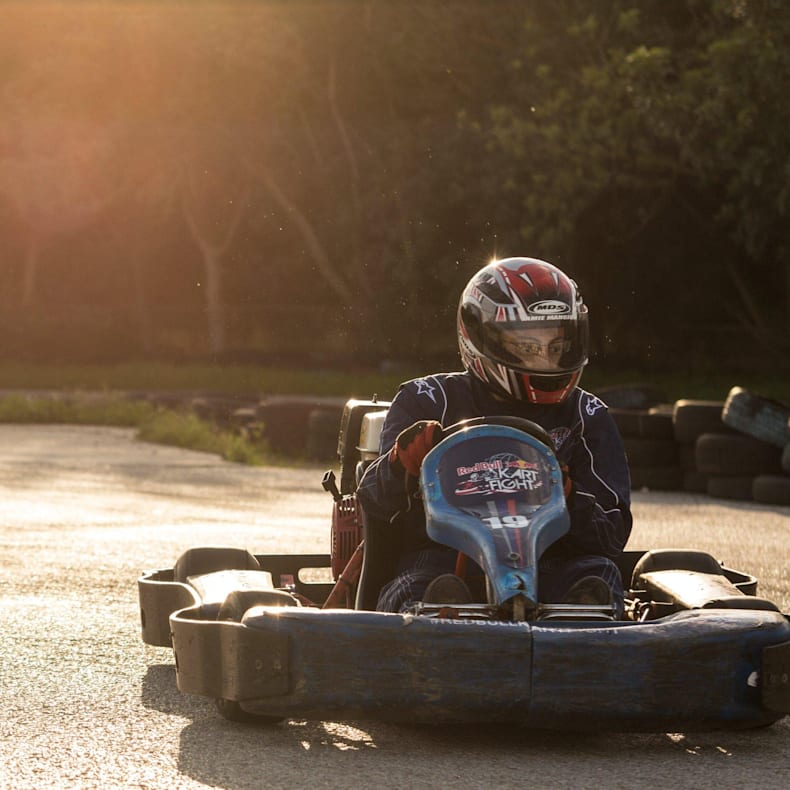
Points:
(523, 339)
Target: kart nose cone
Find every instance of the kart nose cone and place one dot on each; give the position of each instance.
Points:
(518, 581)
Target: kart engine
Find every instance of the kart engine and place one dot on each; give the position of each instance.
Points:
(346, 532)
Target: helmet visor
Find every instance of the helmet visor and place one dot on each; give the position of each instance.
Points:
(538, 346)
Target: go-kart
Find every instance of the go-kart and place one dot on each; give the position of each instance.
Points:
(694, 649)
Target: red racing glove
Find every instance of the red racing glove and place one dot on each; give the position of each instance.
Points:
(414, 443)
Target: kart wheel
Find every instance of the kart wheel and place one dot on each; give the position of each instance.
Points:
(674, 559)
(232, 711)
(239, 601)
(759, 417)
(207, 559)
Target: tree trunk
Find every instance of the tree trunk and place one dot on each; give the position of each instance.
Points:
(215, 307)
(30, 271)
(211, 253)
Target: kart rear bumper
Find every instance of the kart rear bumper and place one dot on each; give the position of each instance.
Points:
(692, 670)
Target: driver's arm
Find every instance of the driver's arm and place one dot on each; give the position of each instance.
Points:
(600, 505)
(382, 491)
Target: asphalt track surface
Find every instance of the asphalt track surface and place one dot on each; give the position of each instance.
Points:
(87, 705)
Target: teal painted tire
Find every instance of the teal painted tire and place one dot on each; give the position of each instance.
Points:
(762, 418)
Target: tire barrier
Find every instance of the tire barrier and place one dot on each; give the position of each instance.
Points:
(741, 455)
(323, 425)
(736, 449)
(657, 478)
(652, 452)
(763, 418)
(730, 487)
(631, 396)
(771, 489)
(692, 418)
(285, 423)
(654, 423)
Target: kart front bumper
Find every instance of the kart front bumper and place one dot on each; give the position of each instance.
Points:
(692, 670)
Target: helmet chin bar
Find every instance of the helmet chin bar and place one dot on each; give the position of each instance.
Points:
(501, 305)
(547, 389)
(550, 383)
(530, 388)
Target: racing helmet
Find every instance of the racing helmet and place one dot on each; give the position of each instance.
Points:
(522, 330)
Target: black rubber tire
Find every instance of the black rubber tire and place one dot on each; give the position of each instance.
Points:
(207, 559)
(674, 559)
(285, 420)
(692, 418)
(232, 711)
(650, 452)
(687, 457)
(786, 458)
(771, 489)
(762, 418)
(695, 482)
(648, 424)
(233, 608)
(735, 455)
(631, 396)
(656, 478)
(731, 487)
(322, 429)
(217, 410)
(239, 601)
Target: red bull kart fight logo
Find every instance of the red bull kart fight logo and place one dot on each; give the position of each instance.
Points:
(500, 474)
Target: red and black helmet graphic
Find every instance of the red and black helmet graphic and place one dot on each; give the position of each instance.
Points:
(517, 302)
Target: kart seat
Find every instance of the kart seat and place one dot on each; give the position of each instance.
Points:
(382, 549)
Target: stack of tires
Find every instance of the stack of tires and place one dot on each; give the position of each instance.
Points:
(733, 449)
(644, 420)
(702, 438)
(650, 446)
(763, 428)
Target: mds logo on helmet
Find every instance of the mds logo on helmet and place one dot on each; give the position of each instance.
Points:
(549, 307)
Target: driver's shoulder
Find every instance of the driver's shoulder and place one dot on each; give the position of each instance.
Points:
(588, 405)
(436, 386)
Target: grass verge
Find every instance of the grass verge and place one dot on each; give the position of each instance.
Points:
(153, 423)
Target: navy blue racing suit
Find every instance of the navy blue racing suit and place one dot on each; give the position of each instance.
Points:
(586, 439)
